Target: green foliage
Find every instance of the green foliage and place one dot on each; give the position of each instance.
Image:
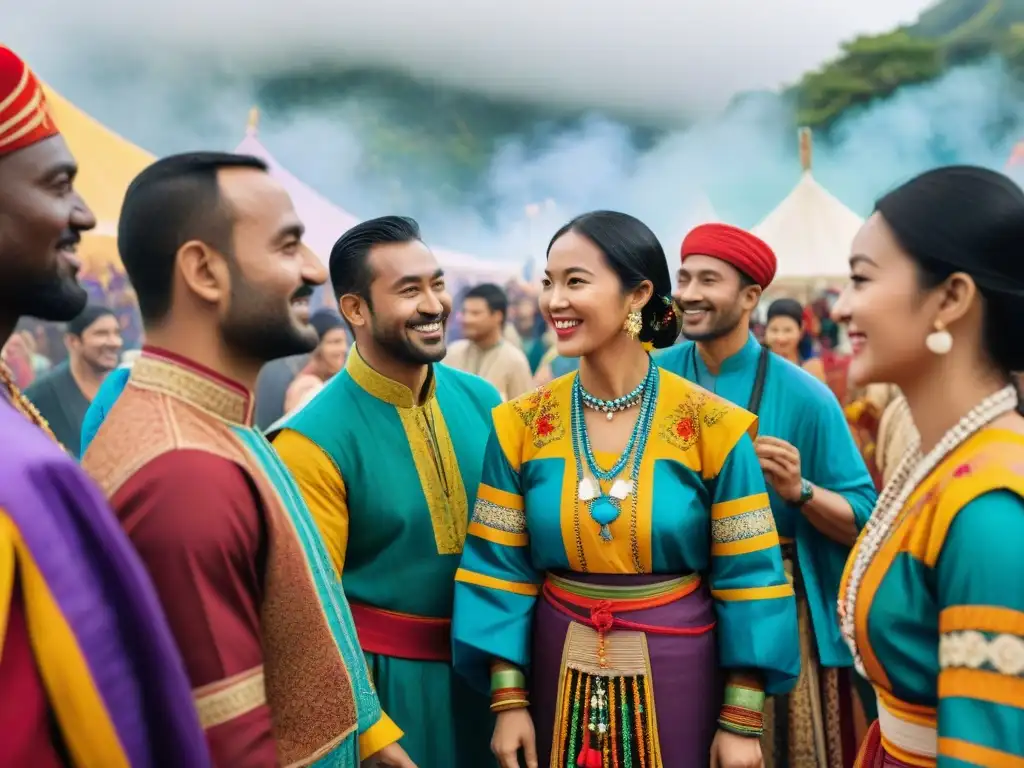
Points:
(950, 33)
(1012, 50)
(870, 68)
(946, 16)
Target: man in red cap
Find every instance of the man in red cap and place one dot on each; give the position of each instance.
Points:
(821, 492)
(89, 674)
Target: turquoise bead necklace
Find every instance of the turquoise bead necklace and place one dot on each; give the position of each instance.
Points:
(605, 508)
(611, 407)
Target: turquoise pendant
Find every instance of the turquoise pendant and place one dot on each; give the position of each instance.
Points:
(604, 511)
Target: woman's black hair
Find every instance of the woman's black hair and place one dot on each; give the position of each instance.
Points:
(790, 308)
(971, 220)
(634, 253)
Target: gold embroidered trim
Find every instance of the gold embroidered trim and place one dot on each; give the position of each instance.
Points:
(179, 382)
(498, 517)
(440, 476)
(973, 650)
(232, 697)
(380, 386)
(743, 526)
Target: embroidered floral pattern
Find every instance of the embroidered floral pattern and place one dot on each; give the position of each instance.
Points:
(743, 526)
(540, 413)
(714, 415)
(682, 427)
(499, 517)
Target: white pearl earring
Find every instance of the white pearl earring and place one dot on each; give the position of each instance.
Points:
(939, 341)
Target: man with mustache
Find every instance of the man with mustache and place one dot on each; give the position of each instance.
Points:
(213, 247)
(89, 674)
(63, 395)
(820, 490)
(388, 457)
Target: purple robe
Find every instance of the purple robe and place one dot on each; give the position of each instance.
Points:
(104, 598)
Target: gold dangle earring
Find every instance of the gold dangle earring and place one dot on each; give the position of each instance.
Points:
(633, 325)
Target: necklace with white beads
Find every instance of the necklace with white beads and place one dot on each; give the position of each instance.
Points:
(912, 470)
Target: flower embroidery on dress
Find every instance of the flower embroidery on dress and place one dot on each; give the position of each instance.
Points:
(714, 414)
(540, 413)
(682, 427)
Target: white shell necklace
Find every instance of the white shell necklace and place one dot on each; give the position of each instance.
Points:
(913, 469)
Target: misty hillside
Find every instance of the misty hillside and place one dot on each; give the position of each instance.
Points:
(419, 131)
(949, 34)
(476, 169)
(416, 132)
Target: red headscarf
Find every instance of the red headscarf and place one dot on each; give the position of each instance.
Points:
(24, 117)
(748, 253)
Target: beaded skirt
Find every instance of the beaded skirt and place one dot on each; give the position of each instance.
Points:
(598, 696)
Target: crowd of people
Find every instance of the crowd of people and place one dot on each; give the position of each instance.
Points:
(620, 523)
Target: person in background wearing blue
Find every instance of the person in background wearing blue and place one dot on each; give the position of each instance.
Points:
(106, 396)
(820, 489)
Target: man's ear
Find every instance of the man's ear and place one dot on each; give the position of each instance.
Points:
(353, 309)
(751, 296)
(203, 271)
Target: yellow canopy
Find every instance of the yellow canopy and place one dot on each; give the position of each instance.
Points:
(107, 164)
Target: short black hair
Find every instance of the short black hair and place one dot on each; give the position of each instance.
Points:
(350, 272)
(174, 200)
(82, 322)
(786, 307)
(497, 300)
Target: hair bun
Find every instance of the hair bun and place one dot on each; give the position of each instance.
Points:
(662, 321)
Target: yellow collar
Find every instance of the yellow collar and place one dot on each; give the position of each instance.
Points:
(171, 374)
(383, 388)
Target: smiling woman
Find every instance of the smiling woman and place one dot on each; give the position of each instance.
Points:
(601, 492)
(935, 307)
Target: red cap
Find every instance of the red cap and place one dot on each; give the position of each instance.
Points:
(24, 117)
(748, 253)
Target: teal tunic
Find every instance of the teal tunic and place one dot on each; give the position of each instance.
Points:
(939, 613)
(801, 410)
(393, 503)
(106, 396)
(563, 365)
(700, 507)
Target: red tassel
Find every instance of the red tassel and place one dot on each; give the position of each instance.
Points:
(589, 758)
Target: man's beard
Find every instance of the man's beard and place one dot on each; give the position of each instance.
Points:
(726, 324)
(262, 329)
(56, 299)
(98, 368)
(401, 348)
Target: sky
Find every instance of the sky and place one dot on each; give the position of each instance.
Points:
(142, 69)
(659, 57)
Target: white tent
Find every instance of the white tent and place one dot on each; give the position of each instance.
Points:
(810, 230)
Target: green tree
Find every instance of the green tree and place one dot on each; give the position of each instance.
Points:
(870, 68)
